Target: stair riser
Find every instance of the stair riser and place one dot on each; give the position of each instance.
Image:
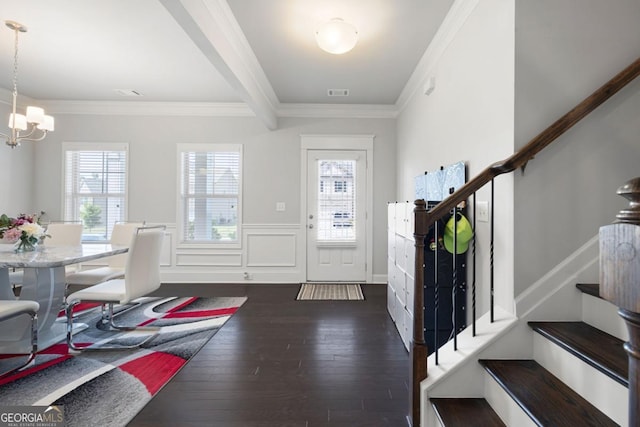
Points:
(600, 390)
(604, 316)
(506, 408)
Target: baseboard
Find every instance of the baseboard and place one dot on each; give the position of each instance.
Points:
(380, 278)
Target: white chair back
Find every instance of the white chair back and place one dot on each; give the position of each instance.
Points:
(142, 272)
(64, 234)
(122, 235)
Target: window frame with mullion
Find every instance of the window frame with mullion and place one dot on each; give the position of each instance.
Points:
(71, 197)
(208, 195)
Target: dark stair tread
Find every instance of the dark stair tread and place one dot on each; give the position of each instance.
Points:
(465, 412)
(590, 288)
(546, 399)
(597, 348)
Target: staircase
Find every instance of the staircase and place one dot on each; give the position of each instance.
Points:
(544, 372)
(578, 376)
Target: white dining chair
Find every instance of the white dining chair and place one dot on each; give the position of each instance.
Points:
(121, 235)
(13, 308)
(141, 277)
(63, 234)
(67, 233)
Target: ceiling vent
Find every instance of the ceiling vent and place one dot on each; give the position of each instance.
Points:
(337, 92)
(128, 92)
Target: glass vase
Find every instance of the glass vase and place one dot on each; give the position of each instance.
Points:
(24, 246)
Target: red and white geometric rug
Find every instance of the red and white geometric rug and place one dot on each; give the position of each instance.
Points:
(109, 388)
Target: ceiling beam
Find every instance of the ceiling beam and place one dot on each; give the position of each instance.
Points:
(213, 28)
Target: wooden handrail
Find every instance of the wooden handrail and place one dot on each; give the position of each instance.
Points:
(425, 219)
(537, 144)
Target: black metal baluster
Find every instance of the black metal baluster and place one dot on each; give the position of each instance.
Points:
(491, 251)
(473, 271)
(454, 287)
(436, 301)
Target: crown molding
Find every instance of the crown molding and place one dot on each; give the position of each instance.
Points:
(349, 111)
(455, 19)
(204, 109)
(133, 108)
(137, 108)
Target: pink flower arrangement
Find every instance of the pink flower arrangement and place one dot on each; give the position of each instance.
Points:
(12, 235)
(25, 229)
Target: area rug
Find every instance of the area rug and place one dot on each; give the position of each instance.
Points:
(330, 292)
(109, 388)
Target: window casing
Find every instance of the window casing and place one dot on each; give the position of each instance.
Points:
(210, 193)
(95, 187)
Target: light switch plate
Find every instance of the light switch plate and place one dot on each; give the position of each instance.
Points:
(482, 210)
(280, 206)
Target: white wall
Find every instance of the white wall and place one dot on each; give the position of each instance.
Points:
(16, 173)
(510, 71)
(564, 52)
(271, 174)
(469, 117)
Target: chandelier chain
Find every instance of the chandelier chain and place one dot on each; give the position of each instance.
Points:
(15, 64)
(35, 123)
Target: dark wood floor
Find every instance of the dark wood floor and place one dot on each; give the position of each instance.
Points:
(284, 363)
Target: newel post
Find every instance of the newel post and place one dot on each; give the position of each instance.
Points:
(419, 350)
(620, 281)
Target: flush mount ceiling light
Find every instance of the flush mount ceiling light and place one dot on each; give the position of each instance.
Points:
(34, 122)
(336, 36)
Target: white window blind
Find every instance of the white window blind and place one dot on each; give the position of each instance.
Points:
(210, 194)
(95, 189)
(336, 200)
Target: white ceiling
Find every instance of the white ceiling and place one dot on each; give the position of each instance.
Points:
(260, 52)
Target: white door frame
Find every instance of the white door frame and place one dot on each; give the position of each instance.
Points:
(334, 143)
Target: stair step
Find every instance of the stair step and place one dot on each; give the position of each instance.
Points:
(597, 348)
(589, 288)
(546, 399)
(465, 412)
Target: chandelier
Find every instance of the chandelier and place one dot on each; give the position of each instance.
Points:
(34, 125)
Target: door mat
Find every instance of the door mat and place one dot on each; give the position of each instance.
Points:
(330, 292)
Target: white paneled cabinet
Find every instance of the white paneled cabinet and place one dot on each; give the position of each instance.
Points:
(400, 268)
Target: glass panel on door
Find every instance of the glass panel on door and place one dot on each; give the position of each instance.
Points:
(336, 216)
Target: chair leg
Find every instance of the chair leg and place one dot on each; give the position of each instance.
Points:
(105, 323)
(69, 314)
(34, 347)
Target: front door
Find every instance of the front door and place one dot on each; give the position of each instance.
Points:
(336, 215)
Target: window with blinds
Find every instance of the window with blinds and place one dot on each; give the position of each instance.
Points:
(210, 193)
(95, 187)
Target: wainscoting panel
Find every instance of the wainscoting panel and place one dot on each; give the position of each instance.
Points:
(209, 259)
(274, 249)
(166, 257)
(268, 253)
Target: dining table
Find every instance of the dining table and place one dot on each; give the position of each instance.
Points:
(43, 281)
